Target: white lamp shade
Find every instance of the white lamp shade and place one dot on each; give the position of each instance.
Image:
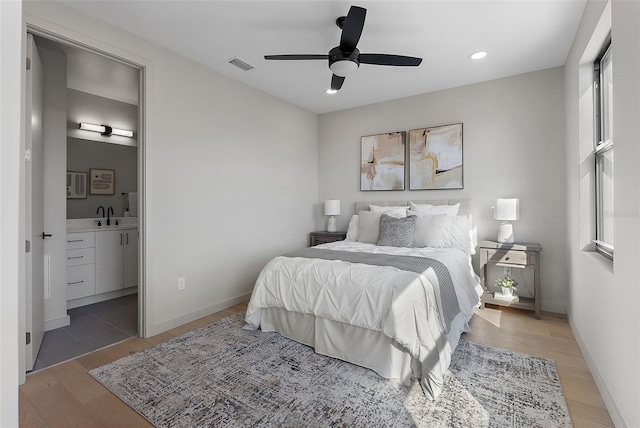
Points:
(507, 209)
(332, 207)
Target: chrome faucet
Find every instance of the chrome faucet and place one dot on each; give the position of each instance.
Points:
(109, 214)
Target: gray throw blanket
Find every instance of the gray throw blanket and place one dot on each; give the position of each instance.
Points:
(447, 293)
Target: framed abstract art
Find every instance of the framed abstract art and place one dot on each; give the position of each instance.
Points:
(382, 162)
(102, 181)
(435, 158)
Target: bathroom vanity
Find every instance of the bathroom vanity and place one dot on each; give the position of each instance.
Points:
(102, 261)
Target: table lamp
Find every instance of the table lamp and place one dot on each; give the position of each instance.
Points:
(506, 209)
(332, 209)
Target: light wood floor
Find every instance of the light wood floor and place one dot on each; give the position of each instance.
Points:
(66, 396)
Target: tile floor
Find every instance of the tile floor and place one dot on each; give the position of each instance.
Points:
(92, 327)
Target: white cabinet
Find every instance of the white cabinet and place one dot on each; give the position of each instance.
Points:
(130, 258)
(116, 259)
(81, 268)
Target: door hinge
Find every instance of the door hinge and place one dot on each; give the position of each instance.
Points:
(28, 338)
(27, 247)
(28, 63)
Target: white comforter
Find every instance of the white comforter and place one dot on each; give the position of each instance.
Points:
(400, 304)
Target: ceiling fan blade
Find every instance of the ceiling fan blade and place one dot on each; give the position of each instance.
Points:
(297, 56)
(352, 28)
(336, 82)
(385, 59)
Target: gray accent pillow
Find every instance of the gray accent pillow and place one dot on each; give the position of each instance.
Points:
(397, 232)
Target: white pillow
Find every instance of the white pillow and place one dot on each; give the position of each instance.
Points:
(458, 232)
(368, 226)
(352, 230)
(435, 209)
(393, 211)
(429, 230)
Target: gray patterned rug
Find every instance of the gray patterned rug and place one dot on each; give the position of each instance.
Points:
(223, 376)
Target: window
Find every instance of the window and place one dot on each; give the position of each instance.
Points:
(603, 150)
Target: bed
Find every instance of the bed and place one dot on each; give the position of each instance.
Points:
(394, 297)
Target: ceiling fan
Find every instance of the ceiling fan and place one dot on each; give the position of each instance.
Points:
(345, 58)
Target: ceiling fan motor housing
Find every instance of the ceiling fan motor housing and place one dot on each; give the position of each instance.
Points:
(343, 63)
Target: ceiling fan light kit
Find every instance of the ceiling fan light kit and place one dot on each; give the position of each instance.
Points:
(345, 58)
(342, 64)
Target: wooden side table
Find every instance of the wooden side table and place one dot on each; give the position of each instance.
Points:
(516, 256)
(318, 238)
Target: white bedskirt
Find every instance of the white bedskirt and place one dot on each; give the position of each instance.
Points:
(367, 348)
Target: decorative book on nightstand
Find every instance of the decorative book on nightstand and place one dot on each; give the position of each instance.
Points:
(318, 238)
(520, 256)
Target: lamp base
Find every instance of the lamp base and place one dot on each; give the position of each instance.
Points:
(505, 233)
(332, 224)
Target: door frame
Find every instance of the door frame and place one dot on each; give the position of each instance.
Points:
(46, 29)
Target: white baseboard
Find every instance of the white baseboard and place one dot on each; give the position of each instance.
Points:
(57, 323)
(192, 316)
(614, 413)
(96, 298)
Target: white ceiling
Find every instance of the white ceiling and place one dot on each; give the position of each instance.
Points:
(520, 36)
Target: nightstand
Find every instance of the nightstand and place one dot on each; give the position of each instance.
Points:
(318, 238)
(517, 256)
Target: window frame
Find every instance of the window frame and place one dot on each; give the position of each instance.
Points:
(601, 148)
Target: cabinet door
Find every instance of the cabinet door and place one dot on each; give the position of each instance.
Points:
(81, 281)
(130, 257)
(109, 261)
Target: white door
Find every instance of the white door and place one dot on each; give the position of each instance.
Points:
(109, 260)
(34, 194)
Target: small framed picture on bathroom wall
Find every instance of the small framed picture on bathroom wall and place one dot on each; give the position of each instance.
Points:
(76, 185)
(102, 182)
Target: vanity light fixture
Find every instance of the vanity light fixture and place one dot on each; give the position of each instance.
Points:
(478, 55)
(105, 130)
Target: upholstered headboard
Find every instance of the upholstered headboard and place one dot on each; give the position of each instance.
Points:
(465, 205)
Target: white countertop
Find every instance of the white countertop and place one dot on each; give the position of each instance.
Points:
(78, 225)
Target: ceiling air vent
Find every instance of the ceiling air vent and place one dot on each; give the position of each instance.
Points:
(241, 64)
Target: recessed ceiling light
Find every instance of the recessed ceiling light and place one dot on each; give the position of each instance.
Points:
(331, 91)
(478, 55)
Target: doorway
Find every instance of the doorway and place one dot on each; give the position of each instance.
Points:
(93, 181)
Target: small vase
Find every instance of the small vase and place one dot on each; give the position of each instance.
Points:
(507, 291)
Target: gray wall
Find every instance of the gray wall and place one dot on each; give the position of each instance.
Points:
(82, 155)
(87, 149)
(97, 110)
(604, 296)
(513, 146)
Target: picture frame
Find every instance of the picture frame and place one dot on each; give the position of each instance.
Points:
(76, 185)
(382, 161)
(436, 158)
(102, 181)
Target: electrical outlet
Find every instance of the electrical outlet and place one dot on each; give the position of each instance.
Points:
(182, 283)
(507, 270)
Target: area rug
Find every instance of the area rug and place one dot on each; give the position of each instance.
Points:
(223, 376)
